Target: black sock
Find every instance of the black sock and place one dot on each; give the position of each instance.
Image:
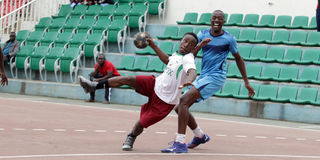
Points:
(131, 135)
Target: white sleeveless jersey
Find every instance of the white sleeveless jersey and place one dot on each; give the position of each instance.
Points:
(174, 75)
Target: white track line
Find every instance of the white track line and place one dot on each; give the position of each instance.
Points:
(19, 129)
(100, 131)
(120, 131)
(80, 130)
(161, 154)
(2, 129)
(261, 137)
(161, 132)
(280, 138)
(221, 135)
(241, 136)
(301, 139)
(60, 130)
(39, 129)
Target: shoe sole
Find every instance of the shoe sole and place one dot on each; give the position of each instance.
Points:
(194, 145)
(127, 149)
(82, 84)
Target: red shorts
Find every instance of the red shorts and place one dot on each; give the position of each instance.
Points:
(156, 109)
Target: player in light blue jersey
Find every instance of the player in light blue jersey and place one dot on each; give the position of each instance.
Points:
(211, 79)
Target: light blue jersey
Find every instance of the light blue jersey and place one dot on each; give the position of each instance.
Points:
(214, 57)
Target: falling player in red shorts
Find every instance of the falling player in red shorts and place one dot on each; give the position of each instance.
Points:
(165, 90)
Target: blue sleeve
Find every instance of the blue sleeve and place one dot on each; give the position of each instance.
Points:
(200, 36)
(233, 47)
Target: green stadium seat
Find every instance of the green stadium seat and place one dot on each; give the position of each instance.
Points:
(137, 17)
(263, 36)
(166, 47)
(169, 32)
(38, 54)
(155, 65)
(78, 11)
(205, 18)
(101, 26)
(313, 23)
(286, 94)
(93, 11)
(189, 18)
(267, 92)
(22, 35)
(279, 37)
(243, 94)
(176, 48)
(308, 75)
(183, 30)
(234, 19)
(124, 2)
(249, 20)
(231, 88)
(156, 7)
(292, 55)
(282, 21)
(52, 57)
(257, 53)
(253, 70)
(63, 39)
(126, 63)
(22, 55)
(313, 40)
(198, 67)
(49, 38)
(57, 24)
(122, 11)
(233, 71)
(78, 40)
(64, 11)
(199, 53)
(145, 51)
(233, 31)
(107, 11)
(299, 22)
(265, 21)
(310, 56)
(92, 45)
(34, 38)
(270, 72)
(247, 35)
(141, 64)
(274, 54)
(297, 37)
(306, 96)
(135, 2)
(244, 51)
(86, 24)
(198, 29)
(288, 74)
(71, 25)
(117, 33)
(43, 24)
(69, 63)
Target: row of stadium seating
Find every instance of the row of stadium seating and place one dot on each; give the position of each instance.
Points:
(252, 20)
(251, 35)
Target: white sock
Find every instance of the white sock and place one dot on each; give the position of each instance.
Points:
(198, 132)
(181, 138)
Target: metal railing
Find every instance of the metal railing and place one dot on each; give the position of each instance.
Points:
(13, 15)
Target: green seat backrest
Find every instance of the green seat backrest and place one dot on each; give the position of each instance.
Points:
(293, 54)
(300, 21)
(22, 35)
(93, 11)
(271, 71)
(268, 91)
(205, 18)
(176, 48)
(233, 31)
(78, 39)
(69, 55)
(64, 11)
(38, 53)
(126, 62)
(135, 14)
(54, 53)
(155, 64)
(57, 24)
(85, 25)
(231, 87)
(314, 37)
(171, 31)
(154, 6)
(166, 47)
(251, 19)
(63, 39)
(233, 70)
(141, 63)
(183, 30)
(190, 17)
(244, 90)
(281, 35)
(313, 22)
(267, 20)
(235, 18)
(309, 73)
(288, 93)
(244, 50)
(254, 70)
(114, 28)
(308, 94)
(101, 25)
(124, 2)
(43, 23)
(289, 72)
(107, 10)
(71, 24)
(34, 37)
(259, 52)
(248, 34)
(276, 52)
(23, 53)
(79, 10)
(198, 67)
(122, 10)
(49, 38)
(283, 20)
(311, 55)
(198, 29)
(90, 44)
(298, 36)
(265, 35)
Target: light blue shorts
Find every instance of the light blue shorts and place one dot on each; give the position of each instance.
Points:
(209, 85)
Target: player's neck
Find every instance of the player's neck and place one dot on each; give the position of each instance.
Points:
(217, 33)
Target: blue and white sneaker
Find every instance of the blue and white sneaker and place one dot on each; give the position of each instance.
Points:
(197, 141)
(177, 147)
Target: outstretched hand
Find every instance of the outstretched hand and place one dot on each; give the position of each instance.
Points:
(200, 45)
(149, 39)
(4, 80)
(251, 91)
(205, 42)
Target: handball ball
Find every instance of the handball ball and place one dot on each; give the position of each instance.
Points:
(140, 40)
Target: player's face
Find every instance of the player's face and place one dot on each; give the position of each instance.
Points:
(187, 43)
(217, 21)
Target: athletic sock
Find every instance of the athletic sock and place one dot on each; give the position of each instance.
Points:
(198, 132)
(181, 138)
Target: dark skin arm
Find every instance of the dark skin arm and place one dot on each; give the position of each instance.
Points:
(199, 46)
(109, 75)
(3, 76)
(163, 56)
(242, 69)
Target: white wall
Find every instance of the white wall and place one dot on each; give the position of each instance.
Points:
(177, 8)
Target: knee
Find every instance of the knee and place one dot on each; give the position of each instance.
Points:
(184, 102)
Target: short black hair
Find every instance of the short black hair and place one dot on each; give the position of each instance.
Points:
(192, 34)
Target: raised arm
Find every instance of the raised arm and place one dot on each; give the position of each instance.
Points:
(199, 46)
(163, 56)
(3, 76)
